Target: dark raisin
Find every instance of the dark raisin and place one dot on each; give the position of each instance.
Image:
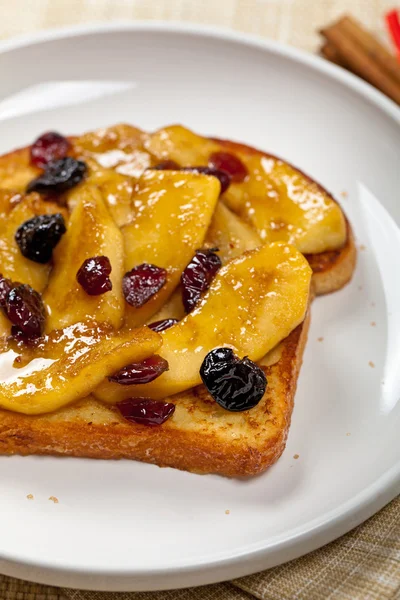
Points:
(5, 287)
(93, 275)
(38, 237)
(198, 275)
(230, 164)
(25, 309)
(234, 384)
(163, 324)
(222, 176)
(49, 146)
(142, 282)
(145, 411)
(166, 165)
(143, 372)
(59, 176)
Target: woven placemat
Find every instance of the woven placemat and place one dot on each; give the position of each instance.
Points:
(364, 564)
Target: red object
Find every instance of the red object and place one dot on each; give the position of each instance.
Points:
(393, 24)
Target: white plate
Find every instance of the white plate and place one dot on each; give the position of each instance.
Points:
(129, 526)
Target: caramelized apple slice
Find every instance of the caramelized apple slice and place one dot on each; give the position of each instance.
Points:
(68, 365)
(12, 263)
(91, 232)
(230, 234)
(117, 191)
(254, 302)
(282, 204)
(16, 171)
(173, 212)
(181, 145)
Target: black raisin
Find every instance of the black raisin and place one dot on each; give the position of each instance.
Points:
(38, 237)
(235, 384)
(59, 176)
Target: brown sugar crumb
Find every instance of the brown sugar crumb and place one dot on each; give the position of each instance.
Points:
(54, 499)
(344, 194)
(296, 456)
(227, 512)
(320, 339)
(348, 433)
(30, 497)
(373, 324)
(362, 247)
(371, 364)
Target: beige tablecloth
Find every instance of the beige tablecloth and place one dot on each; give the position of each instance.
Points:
(364, 564)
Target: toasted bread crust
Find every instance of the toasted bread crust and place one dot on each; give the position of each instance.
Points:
(331, 269)
(89, 429)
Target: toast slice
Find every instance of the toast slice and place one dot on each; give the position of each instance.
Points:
(201, 438)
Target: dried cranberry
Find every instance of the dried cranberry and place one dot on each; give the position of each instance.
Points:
(198, 275)
(38, 237)
(234, 384)
(49, 146)
(166, 165)
(230, 164)
(145, 411)
(163, 324)
(60, 175)
(142, 282)
(5, 287)
(143, 372)
(222, 176)
(93, 275)
(25, 309)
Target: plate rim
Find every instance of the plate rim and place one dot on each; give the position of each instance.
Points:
(321, 531)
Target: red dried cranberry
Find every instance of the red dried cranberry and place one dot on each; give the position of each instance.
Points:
(234, 384)
(5, 287)
(25, 309)
(49, 146)
(145, 411)
(60, 176)
(93, 275)
(143, 372)
(229, 163)
(38, 236)
(142, 282)
(163, 324)
(198, 275)
(222, 176)
(166, 165)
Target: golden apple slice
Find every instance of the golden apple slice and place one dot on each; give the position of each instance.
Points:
(254, 302)
(172, 213)
(230, 234)
(91, 232)
(282, 204)
(172, 309)
(68, 365)
(181, 145)
(117, 191)
(16, 171)
(12, 263)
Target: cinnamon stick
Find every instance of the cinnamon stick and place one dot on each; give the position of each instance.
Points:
(329, 52)
(372, 47)
(364, 55)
